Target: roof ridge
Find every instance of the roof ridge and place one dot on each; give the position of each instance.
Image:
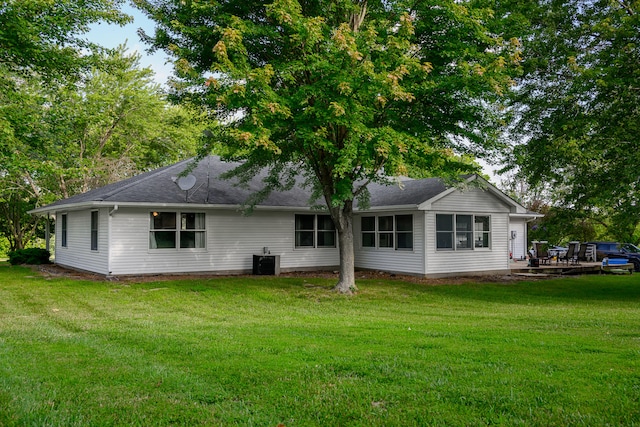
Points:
(134, 180)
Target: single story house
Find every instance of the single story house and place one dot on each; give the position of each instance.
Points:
(158, 223)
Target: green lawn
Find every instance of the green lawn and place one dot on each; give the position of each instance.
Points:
(269, 351)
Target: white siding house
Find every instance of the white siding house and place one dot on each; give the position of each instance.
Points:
(149, 225)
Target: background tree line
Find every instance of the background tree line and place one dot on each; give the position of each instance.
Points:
(575, 114)
(75, 116)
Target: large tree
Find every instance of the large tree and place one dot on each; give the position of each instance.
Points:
(577, 106)
(343, 92)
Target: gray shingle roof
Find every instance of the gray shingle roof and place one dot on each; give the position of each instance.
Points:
(158, 186)
(407, 193)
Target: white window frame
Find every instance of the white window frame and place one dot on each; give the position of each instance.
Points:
(95, 231)
(474, 238)
(64, 230)
(179, 231)
(315, 232)
(389, 234)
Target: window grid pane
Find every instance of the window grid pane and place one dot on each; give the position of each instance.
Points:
(404, 231)
(325, 223)
(368, 223)
(368, 240)
(444, 231)
(326, 239)
(483, 231)
(304, 238)
(404, 240)
(385, 240)
(464, 232)
(163, 239)
(163, 220)
(385, 223)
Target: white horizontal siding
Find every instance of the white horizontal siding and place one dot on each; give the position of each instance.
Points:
(472, 200)
(78, 253)
(387, 259)
(495, 258)
(231, 241)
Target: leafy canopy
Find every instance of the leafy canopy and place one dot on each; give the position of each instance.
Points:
(577, 104)
(46, 36)
(347, 89)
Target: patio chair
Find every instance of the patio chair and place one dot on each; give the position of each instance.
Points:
(542, 252)
(582, 253)
(571, 256)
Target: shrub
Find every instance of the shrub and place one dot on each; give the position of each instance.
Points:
(29, 256)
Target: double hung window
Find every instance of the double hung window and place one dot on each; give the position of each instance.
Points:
(314, 231)
(462, 232)
(172, 230)
(387, 231)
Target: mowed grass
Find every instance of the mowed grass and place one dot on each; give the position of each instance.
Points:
(270, 351)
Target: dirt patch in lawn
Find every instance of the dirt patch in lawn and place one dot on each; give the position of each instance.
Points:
(53, 270)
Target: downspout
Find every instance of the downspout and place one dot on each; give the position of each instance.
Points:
(47, 235)
(425, 256)
(109, 233)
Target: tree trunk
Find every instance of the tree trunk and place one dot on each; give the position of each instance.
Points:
(344, 224)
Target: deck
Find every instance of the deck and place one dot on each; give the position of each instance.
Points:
(553, 268)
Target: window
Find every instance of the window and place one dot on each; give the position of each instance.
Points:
(404, 231)
(94, 230)
(192, 233)
(385, 232)
(482, 232)
(464, 232)
(467, 231)
(326, 232)
(314, 231)
(368, 231)
(305, 230)
(444, 231)
(63, 231)
(388, 231)
(170, 230)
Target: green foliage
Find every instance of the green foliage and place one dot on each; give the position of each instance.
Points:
(116, 124)
(104, 125)
(575, 106)
(4, 246)
(269, 351)
(560, 226)
(45, 36)
(30, 256)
